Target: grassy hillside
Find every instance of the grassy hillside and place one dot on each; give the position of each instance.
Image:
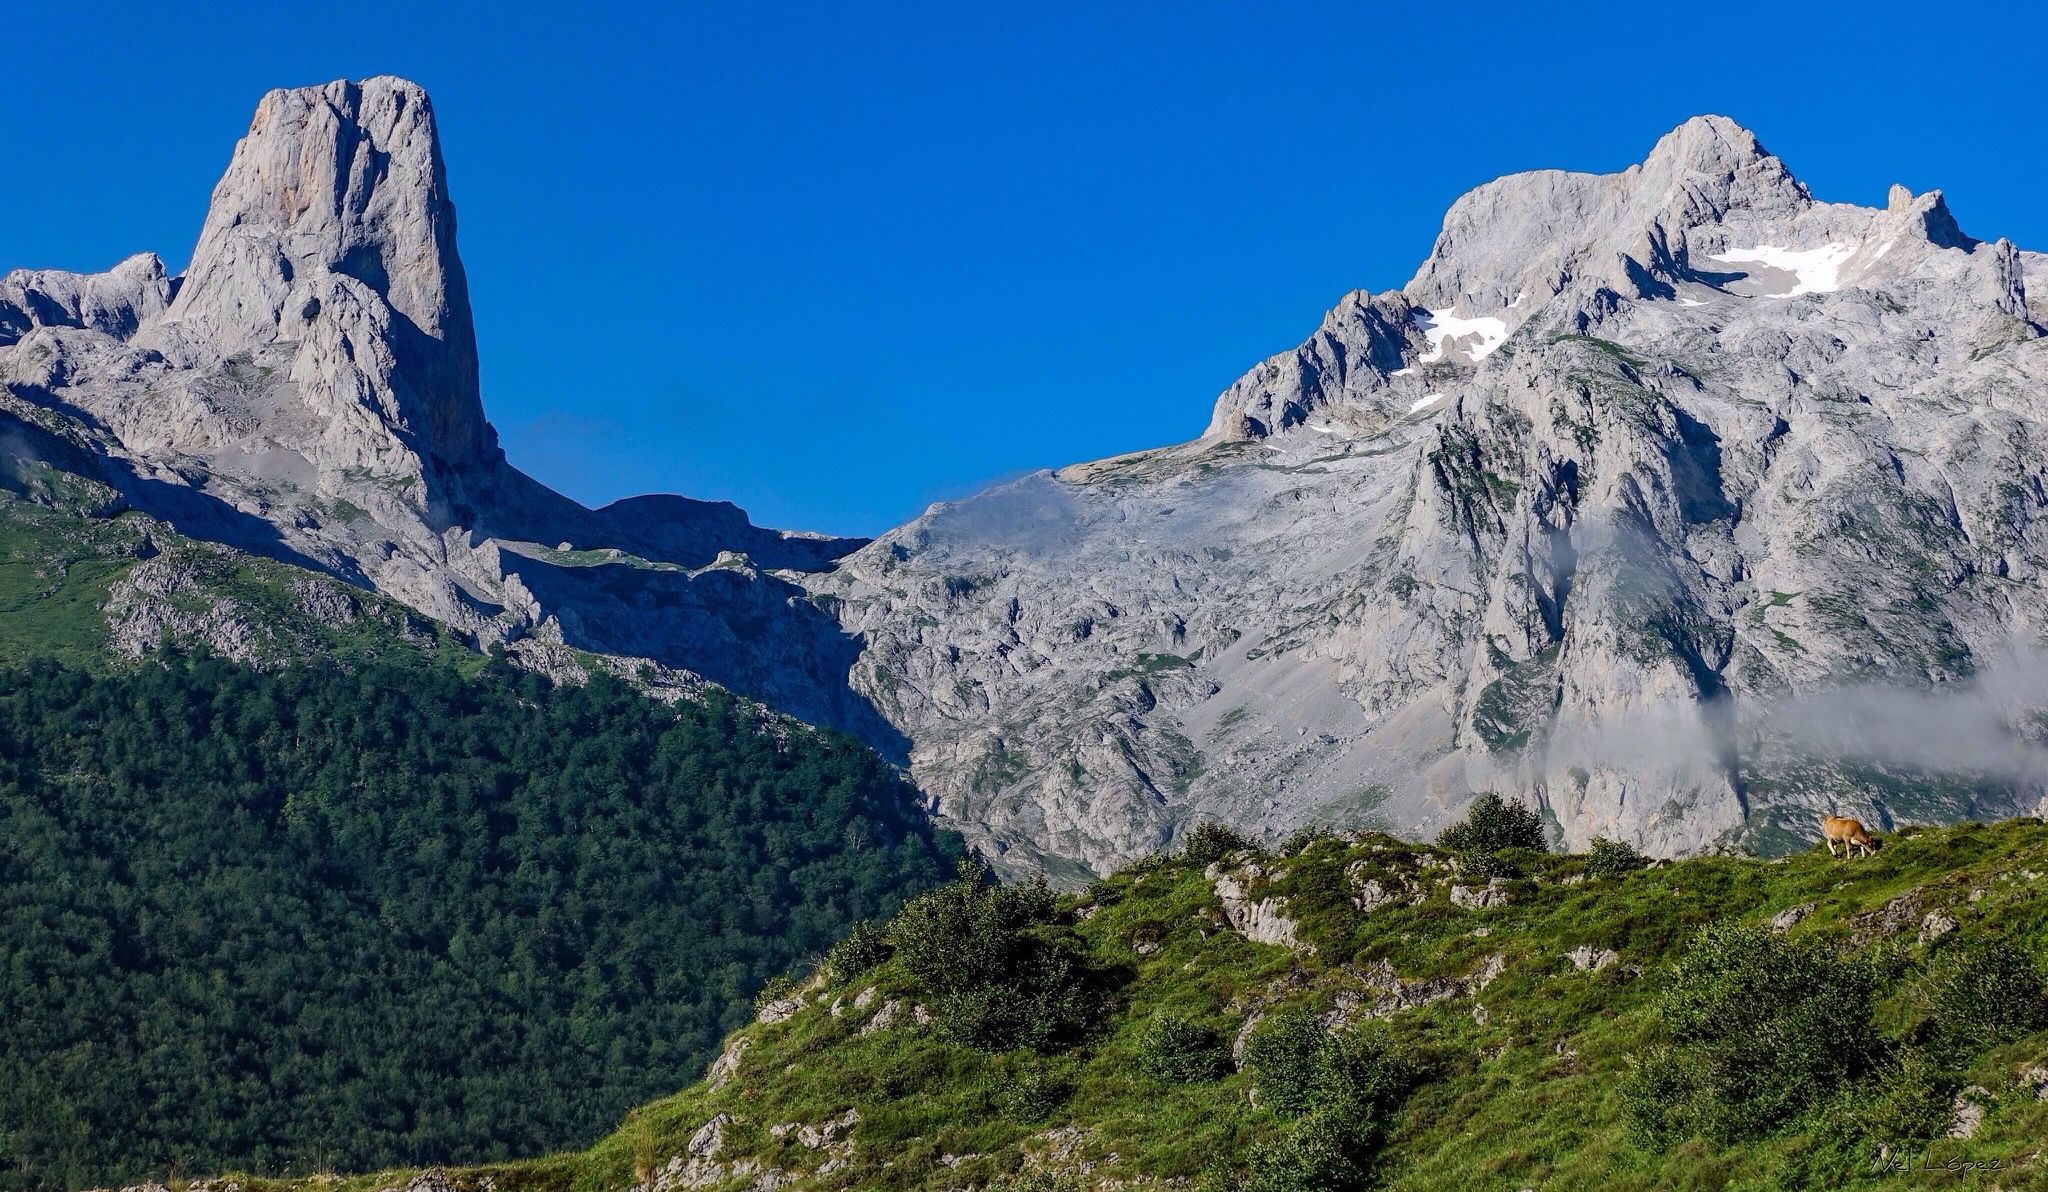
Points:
(66, 576)
(1544, 1041)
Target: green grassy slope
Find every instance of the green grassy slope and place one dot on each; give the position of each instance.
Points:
(61, 567)
(1519, 1082)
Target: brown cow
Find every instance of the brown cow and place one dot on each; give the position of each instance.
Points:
(1850, 833)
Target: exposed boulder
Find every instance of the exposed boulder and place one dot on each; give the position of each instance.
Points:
(1261, 920)
(1791, 916)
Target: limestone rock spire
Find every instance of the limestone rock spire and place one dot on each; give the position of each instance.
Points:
(344, 185)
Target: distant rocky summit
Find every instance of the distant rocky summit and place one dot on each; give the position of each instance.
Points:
(1672, 500)
(1607, 507)
(308, 390)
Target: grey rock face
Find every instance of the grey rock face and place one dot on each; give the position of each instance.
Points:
(115, 303)
(1792, 916)
(333, 225)
(1672, 500)
(1260, 920)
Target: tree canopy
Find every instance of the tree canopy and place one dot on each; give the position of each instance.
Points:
(354, 917)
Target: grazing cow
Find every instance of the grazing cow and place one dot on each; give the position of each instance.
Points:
(1849, 833)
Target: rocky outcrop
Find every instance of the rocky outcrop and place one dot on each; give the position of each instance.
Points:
(894, 1013)
(116, 303)
(1371, 893)
(1935, 924)
(1969, 1108)
(333, 226)
(1493, 893)
(1380, 992)
(703, 1164)
(780, 1009)
(1260, 920)
(727, 1065)
(1791, 916)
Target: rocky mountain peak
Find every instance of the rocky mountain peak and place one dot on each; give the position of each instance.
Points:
(308, 391)
(1708, 214)
(1931, 215)
(1539, 231)
(1706, 145)
(336, 201)
(1640, 500)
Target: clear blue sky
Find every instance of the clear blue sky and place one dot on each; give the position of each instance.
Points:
(836, 262)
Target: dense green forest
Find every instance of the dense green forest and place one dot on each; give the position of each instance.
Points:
(349, 917)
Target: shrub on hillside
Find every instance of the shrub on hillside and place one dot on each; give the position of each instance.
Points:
(1493, 823)
(1304, 839)
(1179, 1049)
(866, 945)
(1325, 1150)
(1341, 1087)
(1209, 842)
(1978, 996)
(1029, 1092)
(1485, 866)
(997, 968)
(775, 989)
(1910, 1095)
(1762, 1028)
(1612, 858)
(1285, 1056)
(1299, 1066)
(1035, 1181)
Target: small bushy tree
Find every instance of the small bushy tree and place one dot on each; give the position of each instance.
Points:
(1209, 842)
(1285, 1055)
(775, 989)
(1325, 1150)
(1180, 1049)
(998, 969)
(1762, 1028)
(1029, 1091)
(1485, 866)
(866, 945)
(1975, 997)
(1612, 858)
(1341, 1088)
(1910, 1095)
(1492, 824)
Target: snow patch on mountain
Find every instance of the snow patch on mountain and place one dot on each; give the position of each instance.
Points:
(1816, 270)
(1445, 329)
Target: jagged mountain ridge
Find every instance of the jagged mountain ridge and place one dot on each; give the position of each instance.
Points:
(1634, 468)
(1634, 464)
(308, 389)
